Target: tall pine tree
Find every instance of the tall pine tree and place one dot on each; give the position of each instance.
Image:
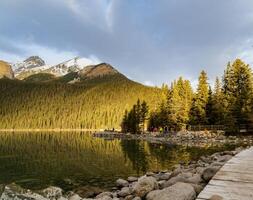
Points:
(198, 109)
(238, 90)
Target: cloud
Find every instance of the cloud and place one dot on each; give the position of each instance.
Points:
(149, 83)
(53, 56)
(147, 40)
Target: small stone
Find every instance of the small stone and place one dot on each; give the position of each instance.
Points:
(132, 179)
(122, 183)
(125, 191)
(173, 181)
(104, 194)
(129, 197)
(136, 198)
(150, 173)
(74, 197)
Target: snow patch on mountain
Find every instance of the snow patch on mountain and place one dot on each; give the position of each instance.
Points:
(35, 64)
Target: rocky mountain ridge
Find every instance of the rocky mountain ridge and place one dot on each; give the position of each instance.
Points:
(34, 65)
(6, 70)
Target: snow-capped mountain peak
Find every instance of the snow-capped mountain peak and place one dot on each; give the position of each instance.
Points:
(35, 64)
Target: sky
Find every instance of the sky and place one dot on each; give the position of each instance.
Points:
(150, 41)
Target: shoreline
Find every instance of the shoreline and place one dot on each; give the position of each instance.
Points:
(47, 130)
(184, 181)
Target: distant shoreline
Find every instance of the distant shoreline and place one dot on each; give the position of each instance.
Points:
(46, 130)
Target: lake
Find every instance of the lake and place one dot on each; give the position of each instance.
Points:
(74, 159)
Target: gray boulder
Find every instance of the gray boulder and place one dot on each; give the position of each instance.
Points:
(122, 183)
(224, 158)
(179, 191)
(195, 179)
(173, 181)
(176, 171)
(15, 192)
(132, 179)
(144, 186)
(209, 172)
(125, 191)
(52, 192)
(104, 194)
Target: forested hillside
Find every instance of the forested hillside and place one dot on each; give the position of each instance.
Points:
(93, 103)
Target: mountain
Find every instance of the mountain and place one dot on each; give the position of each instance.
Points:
(30, 66)
(34, 65)
(96, 99)
(89, 72)
(6, 70)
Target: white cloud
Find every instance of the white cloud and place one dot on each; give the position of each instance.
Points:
(149, 83)
(51, 56)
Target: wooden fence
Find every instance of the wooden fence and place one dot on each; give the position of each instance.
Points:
(242, 128)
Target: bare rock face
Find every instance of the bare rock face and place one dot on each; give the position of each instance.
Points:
(99, 70)
(6, 70)
(34, 61)
(179, 191)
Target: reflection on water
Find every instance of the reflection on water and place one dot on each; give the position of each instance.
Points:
(37, 160)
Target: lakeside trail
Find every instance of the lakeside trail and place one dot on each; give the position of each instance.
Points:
(234, 180)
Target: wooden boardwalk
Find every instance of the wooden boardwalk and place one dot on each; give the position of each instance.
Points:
(234, 181)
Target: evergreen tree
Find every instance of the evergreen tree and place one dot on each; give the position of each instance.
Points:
(144, 114)
(218, 108)
(238, 90)
(134, 121)
(210, 108)
(198, 109)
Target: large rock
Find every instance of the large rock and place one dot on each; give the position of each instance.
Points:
(125, 191)
(209, 172)
(132, 179)
(224, 158)
(179, 191)
(122, 183)
(195, 179)
(162, 176)
(52, 192)
(176, 171)
(103, 195)
(88, 191)
(14, 192)
(173, 180)
(144, 186)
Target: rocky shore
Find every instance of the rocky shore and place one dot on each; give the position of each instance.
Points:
(182, 183)
(189, 138)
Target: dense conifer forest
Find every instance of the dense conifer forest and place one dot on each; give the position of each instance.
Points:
(106, 102)
(97, 103)
(229, 103)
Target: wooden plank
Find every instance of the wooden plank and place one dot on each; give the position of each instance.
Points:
(234, 181)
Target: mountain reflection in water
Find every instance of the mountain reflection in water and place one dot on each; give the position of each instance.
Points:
(73, 159)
